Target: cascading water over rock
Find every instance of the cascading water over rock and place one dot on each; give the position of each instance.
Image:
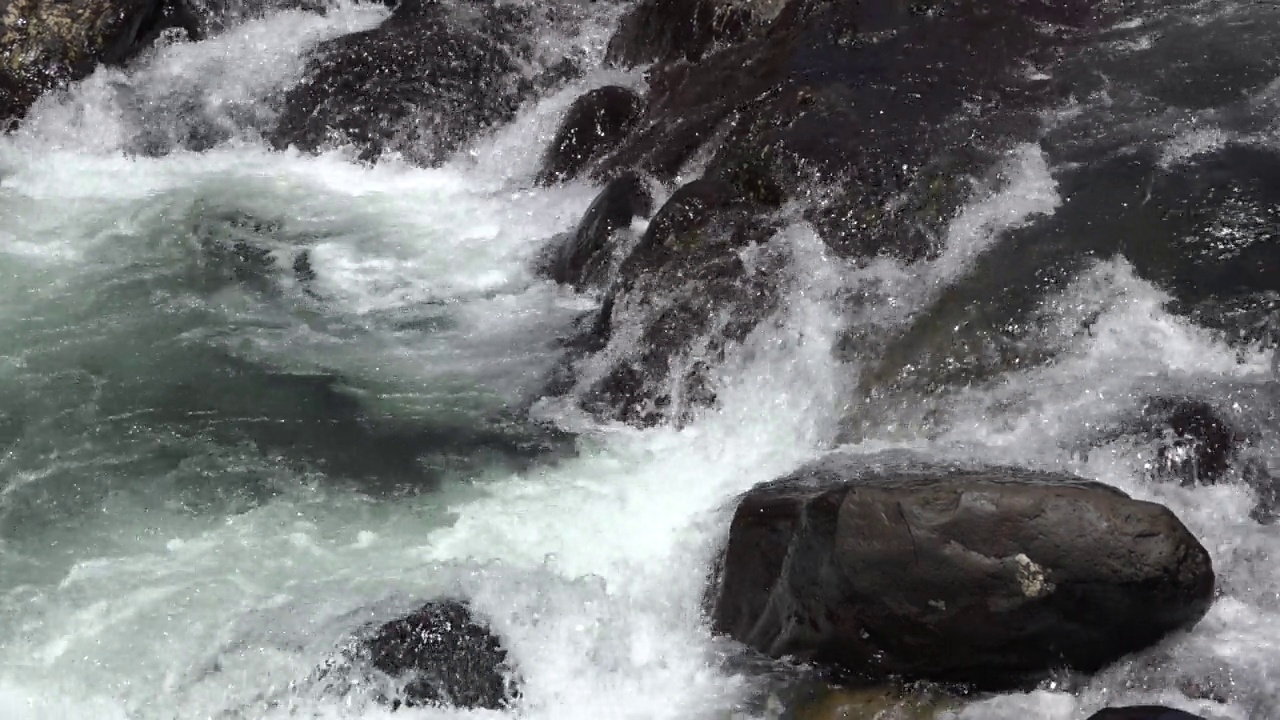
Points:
(638, 359)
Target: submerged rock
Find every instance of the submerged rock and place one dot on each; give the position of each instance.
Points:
(440, 655)
(1143, 712)
(422, 83)
(594, 123)
(45, 44)
(988, 577)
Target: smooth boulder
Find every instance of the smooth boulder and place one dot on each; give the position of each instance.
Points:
(45, 44)
(594, 123)
(885, 567)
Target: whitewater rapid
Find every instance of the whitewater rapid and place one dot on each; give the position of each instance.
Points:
(158, 561)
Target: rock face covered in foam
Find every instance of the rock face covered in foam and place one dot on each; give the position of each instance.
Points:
(46, 43)
(989, 577)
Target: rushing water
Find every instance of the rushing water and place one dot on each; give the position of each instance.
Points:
(216, 462)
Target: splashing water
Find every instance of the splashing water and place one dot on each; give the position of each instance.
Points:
(250, 401)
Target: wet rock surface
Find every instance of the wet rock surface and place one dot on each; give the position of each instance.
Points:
(585, 258)
(593, 124)
(865, 119)
(699, 280)
(990, 577)
(1198, 230)
(427, 80)
(669, 30)
(45, 44)
(441, 654)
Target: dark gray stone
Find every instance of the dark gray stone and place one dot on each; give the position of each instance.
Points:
(595, 123)
(443, 655)
(423, 83)
(669, 30)
(991, 577)
(582, 260)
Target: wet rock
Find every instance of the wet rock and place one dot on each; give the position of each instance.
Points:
(1199, 231)
(992, 577)
(1202, 230)
(702, 276)
(1143, 712)
(594, 123)
(45, 44)
(423, 83)
(872, 113)
(583, 259)
(666, 30)
(444, 655)
(1196, 445)
(441, 654)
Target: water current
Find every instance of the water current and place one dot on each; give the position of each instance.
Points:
(251, 400)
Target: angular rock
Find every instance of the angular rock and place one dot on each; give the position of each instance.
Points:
(422, 83)
(439, 655)
(885, 568)
(594, 123)
(699, 280)
(1143, 712)
(45, 44)
(883, 106)
(582, 260)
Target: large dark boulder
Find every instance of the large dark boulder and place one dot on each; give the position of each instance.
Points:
(1143, 712)
(45, 44)
(989, 577)
(438, 655)
(422, 83)
(593, 124)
